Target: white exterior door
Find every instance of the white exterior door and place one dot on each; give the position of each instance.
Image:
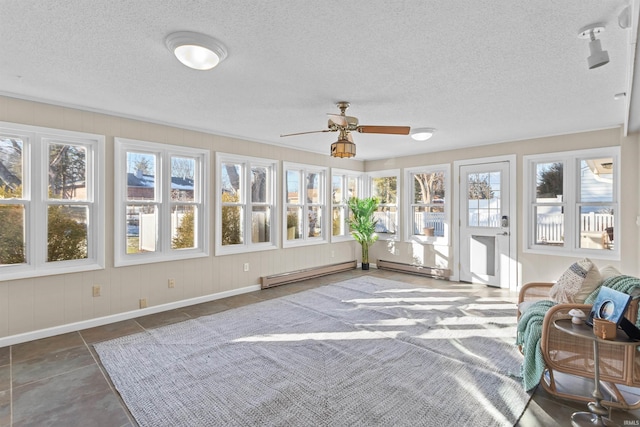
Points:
(485, 223)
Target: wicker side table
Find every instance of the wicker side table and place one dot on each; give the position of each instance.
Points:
(597, 413)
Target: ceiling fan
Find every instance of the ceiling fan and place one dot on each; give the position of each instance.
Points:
(344, 146)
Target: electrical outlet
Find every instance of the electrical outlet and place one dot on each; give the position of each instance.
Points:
(96, 290)
(172, 283)
(333, 254)
(246, 266)
(143, 303)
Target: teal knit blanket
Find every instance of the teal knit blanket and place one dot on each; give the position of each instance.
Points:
(529, 334)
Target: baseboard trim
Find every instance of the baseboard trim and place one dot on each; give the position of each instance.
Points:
(100, 321)
(307, 273)
(433, 272)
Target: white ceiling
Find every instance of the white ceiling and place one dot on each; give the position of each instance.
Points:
(480, 72)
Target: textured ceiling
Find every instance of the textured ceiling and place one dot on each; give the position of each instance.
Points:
(480, 72)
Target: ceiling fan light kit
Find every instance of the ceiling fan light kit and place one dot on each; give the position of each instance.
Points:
(195, 50)
(598, 56)
(343, 148)
(422, 134)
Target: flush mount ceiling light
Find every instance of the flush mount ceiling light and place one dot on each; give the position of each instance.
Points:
(195, 50)
(422, 134)
(598, 56)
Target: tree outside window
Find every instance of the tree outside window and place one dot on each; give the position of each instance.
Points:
(63, 214)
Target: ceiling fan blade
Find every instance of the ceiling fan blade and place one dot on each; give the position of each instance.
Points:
(348, 122)
(392, 130)
(338, 119)
(304, 133)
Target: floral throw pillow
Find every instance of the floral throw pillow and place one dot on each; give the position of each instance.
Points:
(575, 284)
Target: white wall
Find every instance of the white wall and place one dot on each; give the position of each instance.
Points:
(34, 304)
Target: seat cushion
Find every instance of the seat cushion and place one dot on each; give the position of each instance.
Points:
(575, 284)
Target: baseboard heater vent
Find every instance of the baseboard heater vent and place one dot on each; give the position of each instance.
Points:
(307, 273)
(436, 273)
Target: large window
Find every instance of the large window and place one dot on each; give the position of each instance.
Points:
(572, 204)
(51, 201)
(305, 205)
(428, 204)
(386, 186)
(245, 204)
(344, 185)
(161, 212)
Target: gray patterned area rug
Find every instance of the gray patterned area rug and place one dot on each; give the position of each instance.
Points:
(363, 352)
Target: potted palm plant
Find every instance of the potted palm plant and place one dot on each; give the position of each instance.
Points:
(363, 224)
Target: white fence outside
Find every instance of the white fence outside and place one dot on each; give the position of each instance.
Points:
(550, 228)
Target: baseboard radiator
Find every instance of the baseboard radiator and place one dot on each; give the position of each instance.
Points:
(433, 272)
(307, 273)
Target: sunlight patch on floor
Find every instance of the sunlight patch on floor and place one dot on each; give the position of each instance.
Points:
(400, 321)
(504, 306)
(475, 320)
(416, 307)
(483, 401)
(321, 336)
(403, 299)
(438, 334)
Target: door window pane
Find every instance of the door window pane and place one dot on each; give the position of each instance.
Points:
(483, 199)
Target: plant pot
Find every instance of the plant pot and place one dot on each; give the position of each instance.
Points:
(428, 231)
(291, 233)
(365, 266)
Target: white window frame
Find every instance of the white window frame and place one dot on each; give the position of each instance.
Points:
(304, 170)
(408, 204)
(345, 175)
(36, 201)
(570, 202)
(164, 152)
(247, 163)
(397, 236)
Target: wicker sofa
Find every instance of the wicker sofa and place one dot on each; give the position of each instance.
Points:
(563, 353)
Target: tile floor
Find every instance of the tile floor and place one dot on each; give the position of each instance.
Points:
(59, 381)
